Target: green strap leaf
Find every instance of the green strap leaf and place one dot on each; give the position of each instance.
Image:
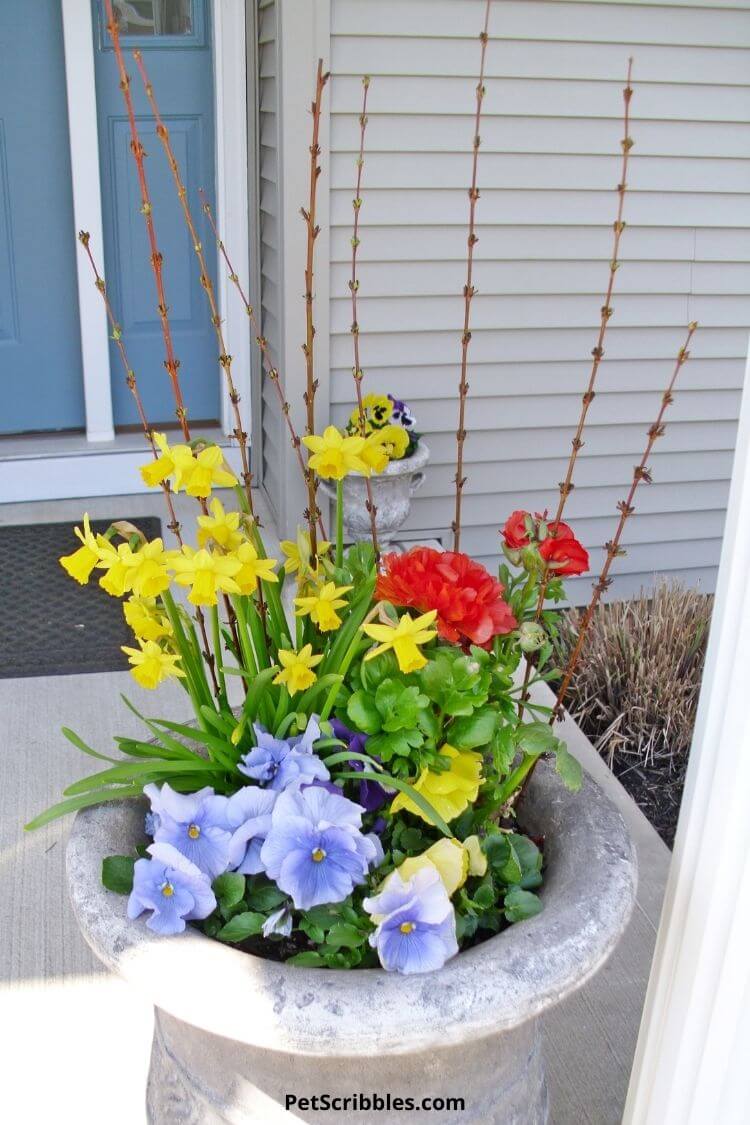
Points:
(403, 786)
(135, 771)
(73, 804)
(81, 745)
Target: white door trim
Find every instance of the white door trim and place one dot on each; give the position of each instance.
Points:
(56, 474)
(87, 212)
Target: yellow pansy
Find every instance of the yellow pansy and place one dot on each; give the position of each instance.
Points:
(146, 620)
(449, 792)
(209, 470)
(222, 527)
(448, 857)
(404, 639)
(148, 569)
(377, 410)
(322, 606)
(81, 562)
(206, 574)
(297, 669)
(334, 455)
(477, 858)
(176, 461)
(151, 665)
(299, 553)
(252, 568)
(395, 439)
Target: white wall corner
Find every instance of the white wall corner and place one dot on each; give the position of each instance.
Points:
(87, 211)
(231, 117)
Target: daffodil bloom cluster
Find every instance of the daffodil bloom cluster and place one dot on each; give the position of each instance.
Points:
(196, 473)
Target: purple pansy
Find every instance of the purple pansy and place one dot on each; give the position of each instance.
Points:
(172, 888)
(416, 924)
(402, 414)
(372, 795)
(194, 823)
(248, 815)
(315, 850)
(276, 763)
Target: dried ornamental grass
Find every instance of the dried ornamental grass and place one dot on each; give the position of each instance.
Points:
(635, 690)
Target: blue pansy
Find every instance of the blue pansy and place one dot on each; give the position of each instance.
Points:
(172, 888)
(280, 922)
(315, 850)
(194, 823)
(248, 815)
(416, 924)
(276, 763)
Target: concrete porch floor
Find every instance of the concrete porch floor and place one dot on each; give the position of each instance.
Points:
(76, 1041)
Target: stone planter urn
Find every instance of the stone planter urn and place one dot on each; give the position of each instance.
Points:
(392, 492)
(240, 1039)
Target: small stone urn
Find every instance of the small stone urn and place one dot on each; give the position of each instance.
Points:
(240, 1040)
(392, 492)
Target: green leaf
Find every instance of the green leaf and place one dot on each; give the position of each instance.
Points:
(536, 738)
(229, 890)
(520, 904)
(323, 916)
(364, 714)
(73, 804)
(511, 871)
(484, 896)
(117, 873)
(265, 898)
(242, 926)
(569, 768)
(472, 731)
(308, 958)
(132, 771)
(346, 936)
(81, 745)
(256, 692)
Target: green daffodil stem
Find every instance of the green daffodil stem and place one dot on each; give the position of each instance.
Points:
(195, 678)
(218, 654)
(340, 522)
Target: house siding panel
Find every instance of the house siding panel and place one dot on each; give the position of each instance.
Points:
(548, 166)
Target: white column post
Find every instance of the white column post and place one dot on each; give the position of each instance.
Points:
(692, 1064)
(87, 210)
(230, 108)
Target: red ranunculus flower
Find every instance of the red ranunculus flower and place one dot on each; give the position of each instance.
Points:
(565, 552)
(517, 537)
(467, 598)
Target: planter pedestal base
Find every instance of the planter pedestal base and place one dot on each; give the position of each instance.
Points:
(203, 1079)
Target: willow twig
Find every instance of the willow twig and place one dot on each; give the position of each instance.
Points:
(357, 371)
(313, 231)
(205, 279)
(469, 291)
(566, 486)
(626, 509)
(171, 363)
(262, 342)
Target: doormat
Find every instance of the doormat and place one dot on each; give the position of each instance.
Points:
(49, 624)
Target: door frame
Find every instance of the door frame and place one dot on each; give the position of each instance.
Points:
(231, 61)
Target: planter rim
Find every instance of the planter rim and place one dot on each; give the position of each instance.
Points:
(588, 896)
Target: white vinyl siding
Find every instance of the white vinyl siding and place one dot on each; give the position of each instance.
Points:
(270, 241)
(548, 166)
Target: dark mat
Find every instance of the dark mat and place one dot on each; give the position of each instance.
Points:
(49, 624)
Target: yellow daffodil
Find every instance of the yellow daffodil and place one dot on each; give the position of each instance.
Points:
(298, 554)
(206, 574)
(175, 461)
(148, 569)
(297, 669)
(334, 455)
(322, 605)
(252, 568)
(146, 620)
(151, 664)
(81, 562)
(374, 452)
(222, 527)
(449, 792)
(448, 857)
(209, 470)
(395, 440)
(116, 562)
(404, 639)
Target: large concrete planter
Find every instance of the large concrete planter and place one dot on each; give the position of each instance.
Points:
(392, 492)
(236, 1034)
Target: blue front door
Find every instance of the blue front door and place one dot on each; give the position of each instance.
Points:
(41, 383)
(174, 37)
